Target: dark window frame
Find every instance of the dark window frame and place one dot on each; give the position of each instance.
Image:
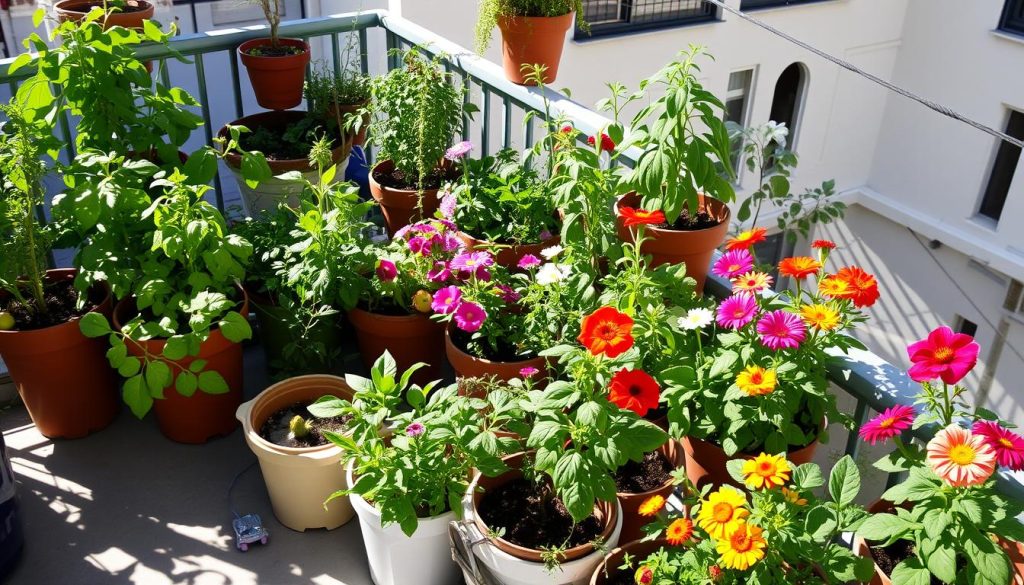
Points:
(763, 4)
(1002, 170)
(1012, 20)
(707, 13)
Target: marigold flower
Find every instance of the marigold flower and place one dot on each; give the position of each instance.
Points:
(799, 267)
(766, 471)
(823, 245)
(746, 239)
(862, 288)
(634, 390)
(607, 144)
(651, 505)
(737, 311)
(888, 424)
(751, 282)
(632, 216)
(756, 381)
(742, 547)
(470, 317)
(733, 263)
(1008, 445)
(607, 331)
(781, 330)
(822, 317)
(386, 270)
(644, 576)
(943, 354)
(714, 573)
(793, 497)
(960, 458)
(679, 531)
(722, 511)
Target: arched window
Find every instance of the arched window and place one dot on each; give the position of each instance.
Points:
(788, 100)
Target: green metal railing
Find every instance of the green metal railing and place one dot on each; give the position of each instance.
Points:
(872, 382)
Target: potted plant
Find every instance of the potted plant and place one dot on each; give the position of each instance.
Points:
(532, 32)
(126, 13)
(947, 521)
(758, 381)
(39, 308)
(276, 66)
(341, 98)
(417, 110)
(409, 467)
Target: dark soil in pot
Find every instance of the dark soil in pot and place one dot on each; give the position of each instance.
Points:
(270, 51)
(276, 429)
(61, 300)
(396, 179)
(888, 557)
(505, 352)
(129, 7)
(687, 223)
(650, 473)
(289, 142)
(534, 519)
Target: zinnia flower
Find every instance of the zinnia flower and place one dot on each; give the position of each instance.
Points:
(766, 471)
(698, 318)
(722, 511)
(943, 354)
(834, 288)
(733, 263)
(781, 330)
(415, 429)
(751, 282)
(634, 390)
(747, 239)
(528, 261)
(607, 144)
(551, 251)
(607, 331)
(386, 270)
(459, 150)
(756, 381)
(1008, 445)
(447, 300)
(737, 311)
(888, 424)
(651, 506)
(528, 372)
(679, 531)
(742, 547)
(799, 267)
(439, 273)
(960, 458)
(632, 216)
(862, 288)
(644, 576)
(822, 317)
(470, 317)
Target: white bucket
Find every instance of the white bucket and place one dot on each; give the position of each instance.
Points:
(269, 193)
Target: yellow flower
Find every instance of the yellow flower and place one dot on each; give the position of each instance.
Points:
(679, 531)
(722, 511)
(742, 547)
(833, 287)
(652, 505)
(793, 497)
(766, 471)
(756, 381)
(823, 317)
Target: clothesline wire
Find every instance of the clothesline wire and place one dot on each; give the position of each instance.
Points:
(941, 109)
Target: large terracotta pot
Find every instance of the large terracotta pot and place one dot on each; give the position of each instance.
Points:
(63, 377)
(632, 521)
(528, 40)
(276, 81)
(409, 339)
(401, 207)
(198, 418)
(298, 480)
(469, 366)
(694, 248)
(638, 550)
(508, 256)
(75, 10)
(706, 463)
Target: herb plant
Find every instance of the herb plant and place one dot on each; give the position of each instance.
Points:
(492, 10)
(327, 93)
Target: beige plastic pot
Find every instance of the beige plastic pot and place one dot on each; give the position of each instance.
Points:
(298, 479)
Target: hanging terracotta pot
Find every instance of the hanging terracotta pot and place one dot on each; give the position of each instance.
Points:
(529, 40)
(469, 366)
(608, 571)
(401, 207)
(665, 246)
(508, 255)
(198, 418)
(706, 463)
(409, 339)
(277, 80)
(62, 376)
(130, 17)
(632, 521)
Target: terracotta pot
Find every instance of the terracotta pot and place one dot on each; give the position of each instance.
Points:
(632, 521)
(401, 206)
(409, 339)
(508, 255)
(706, 463)
(63, 377)
(638, 550)
(277, 331)
(198, 418)
(75, 10)
(528, 40)
(276, 81)
(694, 248)
(298, 480)
(360, 137)
(470, 366)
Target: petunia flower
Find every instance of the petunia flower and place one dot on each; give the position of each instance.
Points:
(634, 390)
(1008, 445)
(781, 329)
(507, 293)
(528, 261)
(470, 316)
(733, 263)
(960, 458)
(415, 429)
(386, 270)
(890, 423)
(943, 354)
(439, 273)
(420, 245)
(469, 262)
(737, 311)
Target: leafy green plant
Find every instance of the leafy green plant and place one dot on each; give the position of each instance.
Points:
(492, 10)
(328, 92)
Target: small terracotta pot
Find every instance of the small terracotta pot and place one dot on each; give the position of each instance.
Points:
(276, 81)
(75, 10)
(706, 463)
(528, 40)
(360, 137)
(401, 207)
(298, 480)
(637, 549)
(63, 377)
(632, 521)
(409, 339)
(694, 248)
(508, 255)
(470, 366)
(198, 418)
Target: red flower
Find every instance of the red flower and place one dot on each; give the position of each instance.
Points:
(607, 331)
(567, 129)
(823, 245)
(863, 288)
(634, 390)
(607, 144)
(747, 239)
(634, 216)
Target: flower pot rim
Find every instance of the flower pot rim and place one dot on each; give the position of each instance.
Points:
(659, 232)
(451, 344)
(472, 240)
(279, 166)
(69, 6)
(66, 274)
(263, 41)
(506, 19)
(248, 409)
(390, 165)
(677, 461)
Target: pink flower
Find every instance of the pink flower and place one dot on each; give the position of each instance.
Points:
(943, 354)
(386, 270)
(450, 242)
(1008, 445)
(507, 293)
(737, 311)
(447, 206)
(887, 425)
(439, 273)
(446, 300)
(960, 458)
(471, 261)
(528, 372)
(459, 150)
(528, 261)
(733, 263)
(470, 317)
(482, 274)
(781, 329)
(420, 245)
(415, 429)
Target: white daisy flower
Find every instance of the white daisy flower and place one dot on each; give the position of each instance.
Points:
(551, 252)
(696, 319)
(552, 273)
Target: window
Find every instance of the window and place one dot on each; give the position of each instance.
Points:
(609, 17)
(755, 4)
(1003, 168)
(736, 100)
(966, 326)
(788, 98)
(1013, 17)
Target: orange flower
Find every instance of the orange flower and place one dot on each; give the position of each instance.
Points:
(799, 267)
(607, 331)
(747, 239)
(863, 287)
(679, 531)
(634, 390)
(632, 216)
(834, 288)
(651, 505)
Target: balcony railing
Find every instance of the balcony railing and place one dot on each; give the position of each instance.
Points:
(869, 383)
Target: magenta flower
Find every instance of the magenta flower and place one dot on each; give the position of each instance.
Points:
(508, 294)
(482, 274)
(450, 242)
(447, 205)
(733, 263)
(887, 425)
(528, 372)
(459, 150)
(943, 354)
(470, 317)
(415, 429)
(1008, 445)
(420, 245)
(528, 261)
(471, 261)
(439, 273)
(737, 311)
(446, 300)
(781, 329)
(447, 224)
(400, 234)
(386, 270)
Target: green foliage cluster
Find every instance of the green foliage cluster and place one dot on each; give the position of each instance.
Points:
(491, 10)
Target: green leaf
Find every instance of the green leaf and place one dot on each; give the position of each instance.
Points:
(186, 384)
(116, 354)
(885, 527)
(212, 382)
(911, 572)
(235, 327)
(808, 476)
(137, 397)
(844, 481)
(176, 348)
(158, 377)
(940, 558)
(152, 31)
(723, 363)
(94, 325)
(990, 562)
(130, 367)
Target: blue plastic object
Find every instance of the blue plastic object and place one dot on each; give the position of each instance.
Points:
(358, 171)
(249, 529)
(12, 536)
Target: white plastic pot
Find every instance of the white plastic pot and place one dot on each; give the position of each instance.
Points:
(396, 559)
(269, 193)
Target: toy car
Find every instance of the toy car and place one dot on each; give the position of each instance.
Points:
(249, 529)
